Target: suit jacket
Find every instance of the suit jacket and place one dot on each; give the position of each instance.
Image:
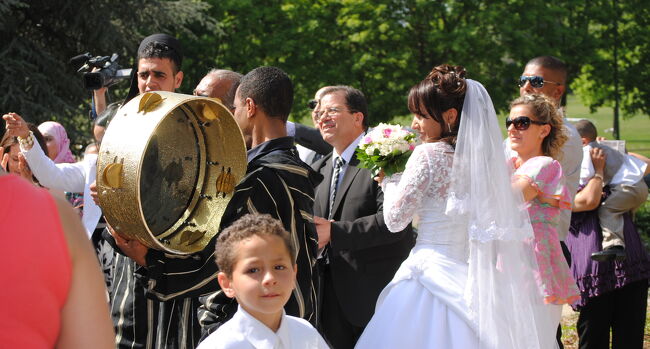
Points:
(363, 254)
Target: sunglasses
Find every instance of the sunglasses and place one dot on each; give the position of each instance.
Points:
(312, 104)
(522, 123)
(536, 81)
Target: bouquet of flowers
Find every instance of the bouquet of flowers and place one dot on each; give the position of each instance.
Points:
(387, 147)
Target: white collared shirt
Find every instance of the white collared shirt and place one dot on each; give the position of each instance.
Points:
(244, 331)
(630, 173)
(347, 155)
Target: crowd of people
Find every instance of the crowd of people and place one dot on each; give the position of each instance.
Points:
(478, 243)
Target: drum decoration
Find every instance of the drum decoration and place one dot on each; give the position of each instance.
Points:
(167, 168)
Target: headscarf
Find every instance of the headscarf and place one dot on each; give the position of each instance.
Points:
(168, 40)
(57, 131)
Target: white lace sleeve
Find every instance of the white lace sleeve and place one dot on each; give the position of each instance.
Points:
(425, 175)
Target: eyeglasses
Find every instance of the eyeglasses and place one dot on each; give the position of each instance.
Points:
(312, 104)
(536, 81)
(522, 123)
(330, 112)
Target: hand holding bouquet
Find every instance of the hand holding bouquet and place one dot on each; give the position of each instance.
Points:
(387, 147)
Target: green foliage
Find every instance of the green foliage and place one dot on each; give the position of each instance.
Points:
(626, 26)
(39, 37)
(382, 47)
(642, 222)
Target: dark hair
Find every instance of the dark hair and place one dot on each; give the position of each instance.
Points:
(443, 89)
(270, 88)
(587, 129)
(156, 49)
(354, 100)
(7, 141)
(246, 227)
(234, 78)
(552, 63)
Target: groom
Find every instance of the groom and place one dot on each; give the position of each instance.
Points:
(359, 255)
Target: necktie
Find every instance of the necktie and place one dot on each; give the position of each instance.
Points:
(316, 157)
(338, 163)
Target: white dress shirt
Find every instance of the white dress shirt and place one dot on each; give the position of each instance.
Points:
(347, 155)
(630, 173)
(571, 163)
(75, 178)
(244, 331)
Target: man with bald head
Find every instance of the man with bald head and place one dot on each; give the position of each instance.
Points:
(310, 144)
(221, 84)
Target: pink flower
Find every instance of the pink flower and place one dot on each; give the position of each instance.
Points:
(387, 132)
(411, 147)
(367, 140)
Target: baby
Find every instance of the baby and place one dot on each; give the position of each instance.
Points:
(624, 175)
(257, 267)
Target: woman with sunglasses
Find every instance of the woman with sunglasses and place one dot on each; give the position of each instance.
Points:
(536, 135)
(468, 282)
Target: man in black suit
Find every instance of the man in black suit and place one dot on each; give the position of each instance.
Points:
(359, 255)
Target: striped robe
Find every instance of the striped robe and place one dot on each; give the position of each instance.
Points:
(156, 306)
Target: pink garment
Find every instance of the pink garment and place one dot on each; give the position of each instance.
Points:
(36, 266)
(57, 131)
(556, 282)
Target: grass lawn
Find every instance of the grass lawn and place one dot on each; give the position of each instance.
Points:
(635, 130)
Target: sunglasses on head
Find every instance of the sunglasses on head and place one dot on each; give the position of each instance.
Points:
(312, 104)
(536, 81)
(522, 123)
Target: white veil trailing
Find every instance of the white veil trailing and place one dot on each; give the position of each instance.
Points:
(505, 303)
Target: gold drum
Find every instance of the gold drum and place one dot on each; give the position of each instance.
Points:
(167, 168)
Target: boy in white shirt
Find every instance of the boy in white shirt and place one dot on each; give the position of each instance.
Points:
(257, 267)
(624, 175)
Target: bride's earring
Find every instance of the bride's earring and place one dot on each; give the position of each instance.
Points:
(449, 127)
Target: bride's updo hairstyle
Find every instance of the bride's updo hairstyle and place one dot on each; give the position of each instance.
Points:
(444, 88)
(545, 111)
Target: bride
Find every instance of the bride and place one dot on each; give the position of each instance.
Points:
(468, 282)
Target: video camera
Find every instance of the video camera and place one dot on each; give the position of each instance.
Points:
(109, 72)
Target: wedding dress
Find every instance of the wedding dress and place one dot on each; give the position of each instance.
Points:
(469, 282)
(427, 290)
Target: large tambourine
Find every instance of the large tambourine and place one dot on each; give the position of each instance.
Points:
(166, 169)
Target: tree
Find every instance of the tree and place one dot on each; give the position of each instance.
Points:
(39, 37)
(384, 47)
(595, 82)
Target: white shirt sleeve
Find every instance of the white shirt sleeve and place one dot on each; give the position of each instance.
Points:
(587, 167)
(631, 171)
(66, 177)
